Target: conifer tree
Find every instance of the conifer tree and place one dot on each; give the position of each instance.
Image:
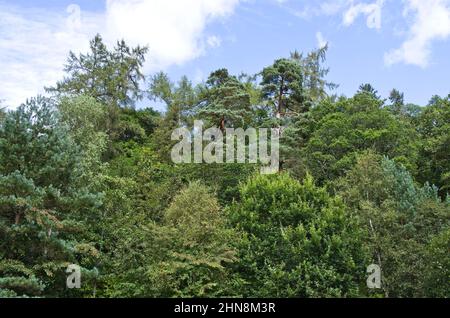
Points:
(42, 205)
(224, 101)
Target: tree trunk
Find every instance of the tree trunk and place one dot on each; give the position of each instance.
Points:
(17, 218)
(280, 100)
(222, 124)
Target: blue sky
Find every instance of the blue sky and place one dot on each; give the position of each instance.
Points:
(388, 43)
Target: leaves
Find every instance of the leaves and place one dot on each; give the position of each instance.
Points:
(87, 179)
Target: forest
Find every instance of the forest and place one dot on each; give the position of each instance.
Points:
(86, 178)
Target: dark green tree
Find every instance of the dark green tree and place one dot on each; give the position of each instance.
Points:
(368, 89)
(350, 126)
(43, 207)
(282, 88)
(397, 100)
(434, 154)
(300, 241)
(224, 101)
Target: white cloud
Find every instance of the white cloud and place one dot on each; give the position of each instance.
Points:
(372, 11)
(321, 42)
(350, 10)
(214, 41)
(34, 43)
(173, 29)
(33, 49)
(431, 22)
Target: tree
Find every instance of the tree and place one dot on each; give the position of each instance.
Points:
(180, 99)
(434, 157)
(315, 84)
(224, 101)
(162, 88)
(188, 255)
(397, 100)
(2, 112)
(111, 77)
(437, 266)
(300, 241)
(400, 219)
(368, 89)
(43, 206)
(282, 88)
(224, 179)
(351, 126)
(86, 121)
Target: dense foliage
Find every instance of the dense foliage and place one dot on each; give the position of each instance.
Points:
(87, 179)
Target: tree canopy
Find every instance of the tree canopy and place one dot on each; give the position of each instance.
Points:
(86, 179)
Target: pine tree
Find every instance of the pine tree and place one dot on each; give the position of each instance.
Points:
(398, 101)
(42, 205)
(224, 101)
(368, 89)
(282, 88)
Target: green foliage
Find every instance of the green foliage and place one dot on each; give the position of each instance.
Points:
(225, 179)
(352, 126)
(179, 99)
(434, 155)
(369, 90)
(42, 205)
(300, 241)
(282, 88)
(87, 179)
(397, 100)
(2, 113)
(111, 77)
(437, 266)
(188, 255)
(224, 101)
(399, 218)
(314, 74)
(85, 120)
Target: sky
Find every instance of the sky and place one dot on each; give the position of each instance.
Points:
(402, 44)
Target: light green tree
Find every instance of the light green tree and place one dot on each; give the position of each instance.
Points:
(400, 219)
(111, 77)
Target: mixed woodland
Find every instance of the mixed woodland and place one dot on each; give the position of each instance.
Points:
(86, 178)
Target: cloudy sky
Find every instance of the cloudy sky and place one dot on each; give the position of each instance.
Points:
(390, 43)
